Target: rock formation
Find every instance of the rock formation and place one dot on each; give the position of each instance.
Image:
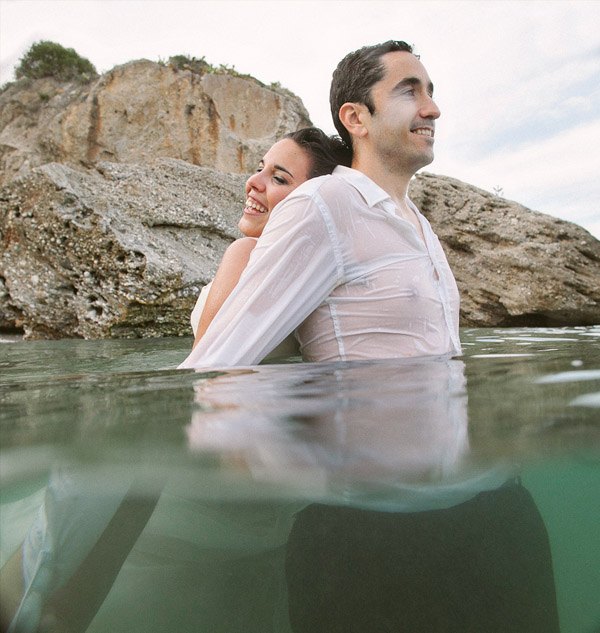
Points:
(140, 111)
(123, 250)
(513, 266)
(109, 224)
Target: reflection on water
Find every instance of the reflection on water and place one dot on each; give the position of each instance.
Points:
(414, 495)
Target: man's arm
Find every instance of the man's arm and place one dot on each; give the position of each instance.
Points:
(292, 269)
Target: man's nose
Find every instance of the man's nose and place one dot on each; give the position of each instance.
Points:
(429, 109)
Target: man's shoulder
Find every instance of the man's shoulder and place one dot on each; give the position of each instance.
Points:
(320, 185)
(330, 190)
(416, 209)
(346, 185)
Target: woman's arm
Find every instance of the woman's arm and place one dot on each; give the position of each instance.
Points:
(228, 274)
(295, 265)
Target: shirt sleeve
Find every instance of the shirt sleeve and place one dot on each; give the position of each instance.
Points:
(293, 268)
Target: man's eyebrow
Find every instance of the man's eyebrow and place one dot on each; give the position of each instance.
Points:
(413, 81)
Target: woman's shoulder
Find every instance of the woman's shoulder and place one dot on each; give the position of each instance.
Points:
(241, 246)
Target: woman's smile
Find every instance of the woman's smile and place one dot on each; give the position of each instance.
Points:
(252, 207)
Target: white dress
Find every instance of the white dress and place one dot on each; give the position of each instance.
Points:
(288, 347)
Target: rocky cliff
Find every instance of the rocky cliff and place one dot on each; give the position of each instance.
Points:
(123, 250)
(513, 266)
(140, 111)
(110, 225)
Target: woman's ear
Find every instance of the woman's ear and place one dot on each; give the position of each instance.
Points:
(353, 117)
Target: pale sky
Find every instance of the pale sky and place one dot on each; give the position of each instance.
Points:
(518, 82)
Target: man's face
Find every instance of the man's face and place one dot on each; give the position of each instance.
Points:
(401, 129)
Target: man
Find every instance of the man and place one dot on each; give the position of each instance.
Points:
(347, 261)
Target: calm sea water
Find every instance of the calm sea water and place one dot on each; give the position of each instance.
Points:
(425, 495)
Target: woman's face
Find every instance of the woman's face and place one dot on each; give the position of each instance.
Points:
(285, 166)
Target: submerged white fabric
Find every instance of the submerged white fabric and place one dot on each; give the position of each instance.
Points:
(200, 303)
(338, 263)
(77, 508)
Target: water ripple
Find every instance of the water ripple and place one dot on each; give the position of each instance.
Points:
(570, 376)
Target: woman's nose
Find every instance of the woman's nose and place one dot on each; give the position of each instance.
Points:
(256, 181)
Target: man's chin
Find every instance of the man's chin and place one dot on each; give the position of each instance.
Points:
(423, 161)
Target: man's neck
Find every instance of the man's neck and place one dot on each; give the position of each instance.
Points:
(393, 183)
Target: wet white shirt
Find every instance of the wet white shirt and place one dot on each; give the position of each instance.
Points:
(338, 265)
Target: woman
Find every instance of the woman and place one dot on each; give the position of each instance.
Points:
(298, 157)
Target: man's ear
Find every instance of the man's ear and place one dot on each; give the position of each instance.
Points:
(353, 117)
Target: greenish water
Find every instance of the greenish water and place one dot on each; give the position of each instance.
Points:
(276, 498)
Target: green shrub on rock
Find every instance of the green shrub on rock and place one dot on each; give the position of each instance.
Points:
(186, 62)
(49, 59)
(202, 67)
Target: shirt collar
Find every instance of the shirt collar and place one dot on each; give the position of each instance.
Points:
(371, 192)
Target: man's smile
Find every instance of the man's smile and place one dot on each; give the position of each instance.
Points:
(424, 131)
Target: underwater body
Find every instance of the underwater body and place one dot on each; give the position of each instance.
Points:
(430, 494)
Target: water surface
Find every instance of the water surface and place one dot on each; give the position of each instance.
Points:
(253, 495)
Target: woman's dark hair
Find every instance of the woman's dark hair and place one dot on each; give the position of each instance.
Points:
(326, 152)
(354, 77)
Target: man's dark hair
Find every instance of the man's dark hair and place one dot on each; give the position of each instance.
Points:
(325, 152)
(355, 75)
